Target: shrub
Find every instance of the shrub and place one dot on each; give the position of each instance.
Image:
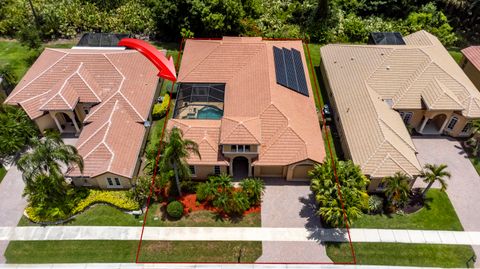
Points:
(375, 204)
(232, 202)
(116, 198)
(253, 188)
(175, 209)
(160, 110)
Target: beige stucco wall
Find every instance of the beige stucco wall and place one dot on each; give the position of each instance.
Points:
(456, 132)
(101, 181)
(472, 72)
(45, 122)
(204, 171)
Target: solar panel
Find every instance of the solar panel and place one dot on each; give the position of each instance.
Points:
(289, 69)
(302, 81)
(279, 66)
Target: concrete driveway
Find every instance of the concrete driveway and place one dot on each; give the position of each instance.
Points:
(290, 205)
(464, 185)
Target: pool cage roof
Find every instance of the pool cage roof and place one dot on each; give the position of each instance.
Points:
(199, 93)
(101, 39)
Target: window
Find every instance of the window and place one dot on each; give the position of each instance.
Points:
(452, 123)
(110, 182)
(240, 148)
(467, 127)
(192, 170)
(406, 117)
(216, 170)
(117, 181)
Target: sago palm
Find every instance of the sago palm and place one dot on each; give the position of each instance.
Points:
(433, 173)
(175, 153)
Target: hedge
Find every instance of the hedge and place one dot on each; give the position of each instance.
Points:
(159, 110)
(117, 199)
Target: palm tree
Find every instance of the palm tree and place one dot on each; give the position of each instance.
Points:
(46, 156)
(432, 173)
(175, 154)
(397, 189)
(353, 190)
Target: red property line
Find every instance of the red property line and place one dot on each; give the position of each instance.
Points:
(345, 218)
(329, 147)
(157, 159)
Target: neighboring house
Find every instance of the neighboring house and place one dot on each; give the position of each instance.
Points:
(102, 95)
(378, 90)
(231, 102)
(471, 64)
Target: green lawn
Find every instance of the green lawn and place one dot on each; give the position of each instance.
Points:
(427, 255)
(103, 215)
(438, 215)
(124, 251)
(3, 172)
(16, 55)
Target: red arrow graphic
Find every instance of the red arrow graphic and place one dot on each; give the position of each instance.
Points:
(165, 66)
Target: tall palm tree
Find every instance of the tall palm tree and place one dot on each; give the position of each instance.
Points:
(432, 173)
(175, 154)
(46, 156)
(397, 189)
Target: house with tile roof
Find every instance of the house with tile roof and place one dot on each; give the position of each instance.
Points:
(231, 103)
(104, 97)
(471, 64)
(378, 91)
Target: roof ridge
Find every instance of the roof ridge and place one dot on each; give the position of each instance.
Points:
(86, 83)
(403, 140)
(61, 89)
(206, 56)
(446, 91)
(38, 76)
(235, 128)
(409, 85)
(374, 152)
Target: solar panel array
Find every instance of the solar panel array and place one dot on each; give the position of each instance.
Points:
(289, 69)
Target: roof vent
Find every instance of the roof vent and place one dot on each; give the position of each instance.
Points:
(388, 67)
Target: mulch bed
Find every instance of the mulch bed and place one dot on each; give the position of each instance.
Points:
(191, 204)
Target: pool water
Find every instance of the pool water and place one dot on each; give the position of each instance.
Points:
(210, 113)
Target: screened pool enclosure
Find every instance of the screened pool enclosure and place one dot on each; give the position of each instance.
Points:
(199, 101)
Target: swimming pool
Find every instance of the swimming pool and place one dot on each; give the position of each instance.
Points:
(210, 113)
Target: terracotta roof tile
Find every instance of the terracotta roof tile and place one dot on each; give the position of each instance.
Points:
(274, 112)
(472, 53)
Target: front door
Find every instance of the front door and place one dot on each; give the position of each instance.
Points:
(240, 167)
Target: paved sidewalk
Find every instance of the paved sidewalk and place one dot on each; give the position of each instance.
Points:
(12, 203)
(198, 266)
(238, 234)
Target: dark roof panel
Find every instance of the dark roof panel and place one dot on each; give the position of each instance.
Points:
(101, 39)
(386, 38)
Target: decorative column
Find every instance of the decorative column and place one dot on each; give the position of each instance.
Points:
(59, 126)
(444, 124)
(423, 124)
(249, 167)
(74, 122)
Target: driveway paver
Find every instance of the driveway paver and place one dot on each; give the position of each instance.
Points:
(290, 205)
(464, 185)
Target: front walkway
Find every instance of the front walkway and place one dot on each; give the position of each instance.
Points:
(464, 185)
(290, 205)
(291, 235)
